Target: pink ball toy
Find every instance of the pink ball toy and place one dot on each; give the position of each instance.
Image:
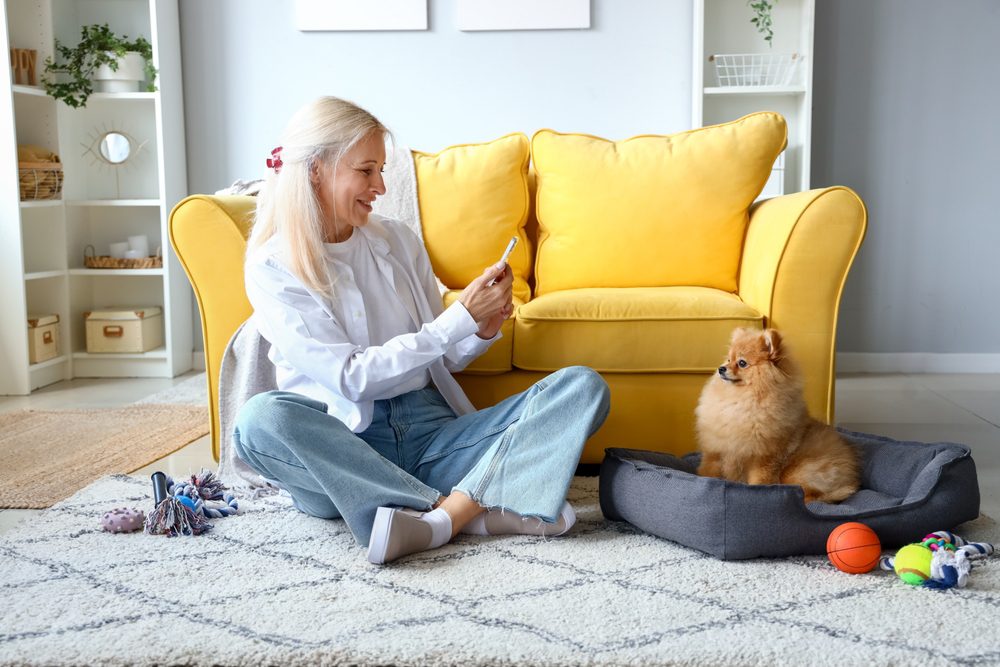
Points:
(123, 520)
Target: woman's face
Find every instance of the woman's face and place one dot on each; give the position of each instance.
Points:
(346, 192)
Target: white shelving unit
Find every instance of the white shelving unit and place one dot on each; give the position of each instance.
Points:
(42, 243)
(723, 27)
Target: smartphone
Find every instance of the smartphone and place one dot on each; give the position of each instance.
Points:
(506, 254)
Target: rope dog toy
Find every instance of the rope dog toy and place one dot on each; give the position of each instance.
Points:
(170, 516)
(181, 509)
(204, 487)
(942, 560)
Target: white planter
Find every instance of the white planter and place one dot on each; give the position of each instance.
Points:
(126, 79)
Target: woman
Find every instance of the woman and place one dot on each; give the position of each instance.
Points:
(368, 423)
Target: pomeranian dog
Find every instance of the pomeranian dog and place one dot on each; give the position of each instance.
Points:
(753, 425)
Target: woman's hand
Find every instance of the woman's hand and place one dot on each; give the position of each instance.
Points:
(490, 305)
(490, 327)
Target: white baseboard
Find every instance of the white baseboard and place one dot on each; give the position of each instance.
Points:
(198, 360)
(916, 362)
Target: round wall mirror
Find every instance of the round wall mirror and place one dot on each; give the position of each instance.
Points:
(115, 147)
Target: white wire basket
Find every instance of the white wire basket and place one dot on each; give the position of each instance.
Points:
(755, 69)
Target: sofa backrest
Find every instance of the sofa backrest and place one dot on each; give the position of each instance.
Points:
(473, 198)
(648, 211)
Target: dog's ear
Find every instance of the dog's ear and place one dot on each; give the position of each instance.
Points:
(737, 333)
(772, 339)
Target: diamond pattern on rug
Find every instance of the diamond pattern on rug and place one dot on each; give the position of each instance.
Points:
(275, 586)
(972, 632)
(343, 612)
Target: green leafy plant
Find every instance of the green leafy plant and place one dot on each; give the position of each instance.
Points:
(762, 18)
(99, 45)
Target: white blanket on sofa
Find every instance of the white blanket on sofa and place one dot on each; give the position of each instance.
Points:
(400, 199)
(246, 371)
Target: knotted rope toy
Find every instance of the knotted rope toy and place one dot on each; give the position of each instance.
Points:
(942, 560)
(202, 488)
(181, 509)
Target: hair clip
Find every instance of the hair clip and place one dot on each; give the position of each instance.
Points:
(274, 162)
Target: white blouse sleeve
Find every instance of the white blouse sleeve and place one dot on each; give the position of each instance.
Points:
(464, 351)
(291, 318)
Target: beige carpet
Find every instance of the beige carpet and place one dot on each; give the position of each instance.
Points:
(48, 455)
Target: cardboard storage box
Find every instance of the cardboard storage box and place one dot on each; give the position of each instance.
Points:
(43, 338)
(124, 329)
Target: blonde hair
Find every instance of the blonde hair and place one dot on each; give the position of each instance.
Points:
(322, 131)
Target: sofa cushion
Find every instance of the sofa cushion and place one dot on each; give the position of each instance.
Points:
(497, 358)
(473, 198)
(649, 211)
(629, 329)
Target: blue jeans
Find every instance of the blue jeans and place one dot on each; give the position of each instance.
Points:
(519, 455)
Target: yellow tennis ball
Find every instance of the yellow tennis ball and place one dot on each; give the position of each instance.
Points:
(913, 564)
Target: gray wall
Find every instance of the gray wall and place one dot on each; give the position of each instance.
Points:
(905, 111)
(905, 92)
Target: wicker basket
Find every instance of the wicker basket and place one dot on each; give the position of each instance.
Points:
(40, 180)
(94, 261)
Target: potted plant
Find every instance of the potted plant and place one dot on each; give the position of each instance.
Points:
(101, 54)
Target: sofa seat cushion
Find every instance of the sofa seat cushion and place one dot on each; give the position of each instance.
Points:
(650, 210)
(629, 329)
(497, 359)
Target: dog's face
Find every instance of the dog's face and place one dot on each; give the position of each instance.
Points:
(754, 356)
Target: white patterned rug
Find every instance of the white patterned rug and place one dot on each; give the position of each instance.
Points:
(273, 586)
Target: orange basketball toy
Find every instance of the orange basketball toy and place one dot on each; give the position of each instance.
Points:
(854, 548)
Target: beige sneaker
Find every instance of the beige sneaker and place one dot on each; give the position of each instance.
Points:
(512, 523)
(397, 533)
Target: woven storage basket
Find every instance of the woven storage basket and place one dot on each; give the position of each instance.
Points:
(40, 180)
(94, 261)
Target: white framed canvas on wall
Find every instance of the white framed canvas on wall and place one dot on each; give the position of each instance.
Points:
(316, 15)
(522, 14)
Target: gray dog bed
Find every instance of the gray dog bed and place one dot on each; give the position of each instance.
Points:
(909, 489)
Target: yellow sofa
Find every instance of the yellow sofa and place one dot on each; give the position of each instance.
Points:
(638, 258)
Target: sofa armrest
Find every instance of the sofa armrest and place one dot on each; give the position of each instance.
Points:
(796, 256)
(209, 235)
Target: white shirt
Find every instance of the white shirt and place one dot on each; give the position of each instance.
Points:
(322, 348)
(387, 317)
